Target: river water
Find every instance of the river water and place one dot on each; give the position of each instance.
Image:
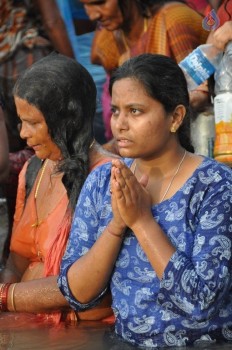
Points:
(21, 333)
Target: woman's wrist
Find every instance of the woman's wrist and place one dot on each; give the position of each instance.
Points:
(115, 230)
(120, 235)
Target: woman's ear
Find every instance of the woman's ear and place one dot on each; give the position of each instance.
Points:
(177, 117)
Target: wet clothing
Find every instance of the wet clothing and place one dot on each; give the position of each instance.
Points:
(42, 243)
(193, 301)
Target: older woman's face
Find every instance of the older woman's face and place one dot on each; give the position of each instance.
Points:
(106, 12)
(35, 131)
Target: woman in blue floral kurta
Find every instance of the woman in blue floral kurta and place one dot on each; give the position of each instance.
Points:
(155, 227)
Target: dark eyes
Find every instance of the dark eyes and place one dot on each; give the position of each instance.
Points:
(113, 110)
(133, 111)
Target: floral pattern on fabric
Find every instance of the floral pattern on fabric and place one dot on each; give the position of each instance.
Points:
(193, 301)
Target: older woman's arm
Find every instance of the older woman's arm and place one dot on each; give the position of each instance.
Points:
(55, 26)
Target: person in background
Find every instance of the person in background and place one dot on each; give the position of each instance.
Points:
(221, 36)
(161, 236)
(55, 100)
(81, 31)
(127, 28)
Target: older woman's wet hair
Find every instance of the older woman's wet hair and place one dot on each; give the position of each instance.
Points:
(164, 81)
(65, 93)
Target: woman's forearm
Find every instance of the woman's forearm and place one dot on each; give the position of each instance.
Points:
(93, 270)
(41, 295)
(155, 244)
(55, 27)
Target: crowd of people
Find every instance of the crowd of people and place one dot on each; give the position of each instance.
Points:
(143, 215)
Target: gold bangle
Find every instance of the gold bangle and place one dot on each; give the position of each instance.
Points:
(12, 297)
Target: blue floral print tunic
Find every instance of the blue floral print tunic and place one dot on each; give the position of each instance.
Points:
(193, 301)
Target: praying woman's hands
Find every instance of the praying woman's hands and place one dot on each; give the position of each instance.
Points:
(131, 201)
(117, 224)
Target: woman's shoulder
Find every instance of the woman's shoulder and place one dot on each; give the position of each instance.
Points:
(213, 163)
(102, 155)
(214, 171)
(177, 7)
(176, 13)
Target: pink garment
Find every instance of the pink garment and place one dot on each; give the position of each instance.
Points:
(198, 5)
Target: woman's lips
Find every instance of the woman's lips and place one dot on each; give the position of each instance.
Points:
(36, 147)
(124, 143)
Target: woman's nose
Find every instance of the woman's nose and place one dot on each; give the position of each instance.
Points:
(122, 121)
(24, 130)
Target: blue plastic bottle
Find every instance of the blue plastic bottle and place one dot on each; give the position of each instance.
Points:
(200, 64)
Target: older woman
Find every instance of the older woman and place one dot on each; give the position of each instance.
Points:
(55, 100)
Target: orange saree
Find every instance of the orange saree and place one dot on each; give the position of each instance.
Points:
(43, 244)
(175, 30)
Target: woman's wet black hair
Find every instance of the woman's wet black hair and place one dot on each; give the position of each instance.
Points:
(164, 81)
(65, 93)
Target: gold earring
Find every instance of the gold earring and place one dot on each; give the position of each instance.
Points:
(173, 129)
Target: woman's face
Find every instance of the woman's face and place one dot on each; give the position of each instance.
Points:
(107, 12)
(139, 123)
(35, 131)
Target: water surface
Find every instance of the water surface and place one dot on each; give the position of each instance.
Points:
(21, 332)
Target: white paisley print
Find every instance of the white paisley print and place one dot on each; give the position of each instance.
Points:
(193, 301)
